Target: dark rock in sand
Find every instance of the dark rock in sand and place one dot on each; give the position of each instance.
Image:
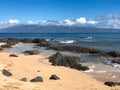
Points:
(109, 83)
(1, 49)
(13, 55)
(37, 79)
(6, 46)
(67, 60)
(116, 61)
(31, 52)
(23, 79)
(54, 77)
(6, 73)
(26, 40)
(38, 40)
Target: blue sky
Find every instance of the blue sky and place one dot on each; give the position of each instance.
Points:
(56, 9)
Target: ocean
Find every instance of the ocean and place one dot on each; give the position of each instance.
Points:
(102, 41)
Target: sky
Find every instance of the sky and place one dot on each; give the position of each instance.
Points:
(56, 9)
(97, 13)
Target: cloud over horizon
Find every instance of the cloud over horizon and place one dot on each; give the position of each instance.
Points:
(104, 21)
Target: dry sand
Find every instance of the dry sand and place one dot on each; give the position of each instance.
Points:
(30, 66)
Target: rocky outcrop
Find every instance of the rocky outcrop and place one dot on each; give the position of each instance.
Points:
(37, 79)
(67, 60)
(13, 55)
(6, 73)
(76, 49)
(54, 77)
(31, 52)
(109, 83)
(12, 41)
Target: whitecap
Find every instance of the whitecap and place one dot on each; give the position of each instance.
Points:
(67, 41)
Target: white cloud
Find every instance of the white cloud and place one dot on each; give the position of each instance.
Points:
(13, 21)
(68, 22)
(81, 20)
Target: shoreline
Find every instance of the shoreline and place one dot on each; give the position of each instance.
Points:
(29, 65)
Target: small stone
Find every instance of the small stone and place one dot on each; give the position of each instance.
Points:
(23, 79)
(6, 73)
(54, 77)
(13, 55)
(37, 79)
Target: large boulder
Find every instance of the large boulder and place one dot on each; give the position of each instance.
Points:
(54, 77)
(6, 73)
(67, 60)
(31, 52)
(37, 79)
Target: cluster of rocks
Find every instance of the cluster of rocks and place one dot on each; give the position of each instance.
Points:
(109, 83)
(9, 42)
(67, 61)
(36, 79)
(116, 61)
(37, 41)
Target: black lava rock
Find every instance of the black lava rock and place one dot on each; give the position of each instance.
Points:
(31, 52)
(6, 73)
(13, 55)
(37, 79)
(23, 79)
(54, 77)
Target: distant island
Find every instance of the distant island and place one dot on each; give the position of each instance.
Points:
(23, 28)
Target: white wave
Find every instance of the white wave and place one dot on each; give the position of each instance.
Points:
(101, 71)
(88, 37)
(90, 70)
(67, 41)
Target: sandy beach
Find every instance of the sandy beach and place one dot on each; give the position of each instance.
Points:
(30, 66)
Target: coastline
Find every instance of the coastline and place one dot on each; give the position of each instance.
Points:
(30, 66)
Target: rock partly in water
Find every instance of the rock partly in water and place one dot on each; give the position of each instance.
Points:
(31, 52)
(67, 60)
(54, 77)
(13, 55)
(41, 42)
(6, 73)
(12, 41)
(23, 79)
(37, 79)
(116, 61)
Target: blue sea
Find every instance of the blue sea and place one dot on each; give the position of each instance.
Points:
(103, 41)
